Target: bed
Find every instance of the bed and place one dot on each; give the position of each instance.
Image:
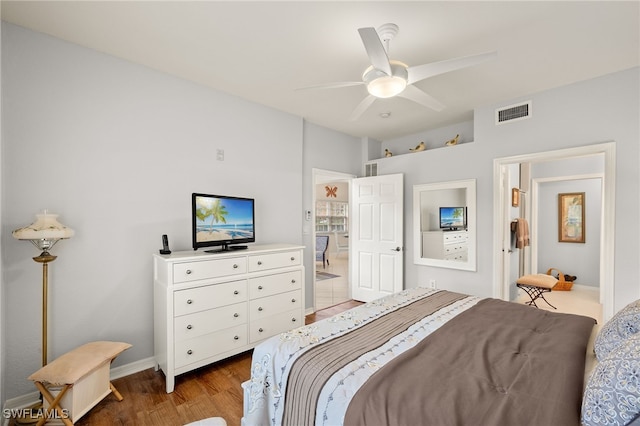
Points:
(423, 356)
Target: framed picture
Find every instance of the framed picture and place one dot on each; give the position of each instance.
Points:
(571, 219)
(515, 197)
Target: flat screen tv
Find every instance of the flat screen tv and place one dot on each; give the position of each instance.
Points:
(453, 218)
(222, 221)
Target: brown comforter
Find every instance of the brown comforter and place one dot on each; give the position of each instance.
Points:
(498, 363)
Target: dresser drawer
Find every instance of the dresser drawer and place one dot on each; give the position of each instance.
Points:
(454, 237)
(201, 347)
(214, 268)
(269, 285)
(275, 324)
(260, 262)
(454, 248)
(208, 297)
(212, 320)
(271, 305)
(456, 256)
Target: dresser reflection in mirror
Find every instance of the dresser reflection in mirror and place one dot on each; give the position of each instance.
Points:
(444, 224)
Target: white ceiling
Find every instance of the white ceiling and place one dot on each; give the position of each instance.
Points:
(263, 51)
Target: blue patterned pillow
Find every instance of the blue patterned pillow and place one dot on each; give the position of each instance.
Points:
(612, 395)
(623, 324)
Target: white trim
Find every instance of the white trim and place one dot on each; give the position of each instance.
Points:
(607, 247)
(132, 368)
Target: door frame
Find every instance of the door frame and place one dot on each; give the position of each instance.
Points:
(607, 246)
(320, 176)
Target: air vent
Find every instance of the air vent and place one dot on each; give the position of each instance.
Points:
(371, 169)
(513, 113)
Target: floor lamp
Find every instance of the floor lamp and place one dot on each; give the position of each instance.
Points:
(44, 233)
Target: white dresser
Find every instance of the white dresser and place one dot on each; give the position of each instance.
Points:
(447, 245)
(209, 306)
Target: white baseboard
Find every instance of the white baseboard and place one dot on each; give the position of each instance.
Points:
(132, 368)
(31, 398)
(586, 287)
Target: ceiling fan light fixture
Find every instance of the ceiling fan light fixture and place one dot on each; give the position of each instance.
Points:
(382, 85)
(386, 87)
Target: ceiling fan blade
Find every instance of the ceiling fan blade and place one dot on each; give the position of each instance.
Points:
(418, 96)
(332, 85)
(362, 107)
(420, 72)
(375, 49)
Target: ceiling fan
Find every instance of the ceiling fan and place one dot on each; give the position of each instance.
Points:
(387, 78)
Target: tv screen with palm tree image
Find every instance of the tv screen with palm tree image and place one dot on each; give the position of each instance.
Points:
(222, 221)
(452, 218)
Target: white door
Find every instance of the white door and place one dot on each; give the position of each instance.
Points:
(376, 236)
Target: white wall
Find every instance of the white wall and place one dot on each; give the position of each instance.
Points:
(117, 149)
(594, 111)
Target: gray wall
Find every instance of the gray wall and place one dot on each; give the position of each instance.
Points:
(594, 111)
(117, 149)
(579, 259)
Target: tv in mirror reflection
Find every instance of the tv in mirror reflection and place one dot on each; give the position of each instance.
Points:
(222, 221)
(453, 218)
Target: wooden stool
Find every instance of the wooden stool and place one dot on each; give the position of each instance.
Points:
(75, 382)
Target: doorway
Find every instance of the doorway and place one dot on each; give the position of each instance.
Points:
(502, 205)
(330, 219)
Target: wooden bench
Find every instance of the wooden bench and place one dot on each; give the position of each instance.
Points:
(75, 382)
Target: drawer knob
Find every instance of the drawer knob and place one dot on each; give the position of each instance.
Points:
(294, 319)
(188, 271)
(260, 308)
(293, 281)
(293, 258)
(189, 327)
(189, 301)
(293, 300)
(236, 315)
(259, 287)
(235, 266)
(259, 262)
(236, 338)
(189, 352)
(260, 330)
(236, 292)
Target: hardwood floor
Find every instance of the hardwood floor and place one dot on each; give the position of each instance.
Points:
(212, 391)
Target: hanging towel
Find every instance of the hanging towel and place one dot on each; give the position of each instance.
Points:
(522, 233)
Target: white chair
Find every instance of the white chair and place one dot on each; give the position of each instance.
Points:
(341, 247)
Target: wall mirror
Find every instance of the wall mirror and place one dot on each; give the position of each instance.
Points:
(444, 223)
